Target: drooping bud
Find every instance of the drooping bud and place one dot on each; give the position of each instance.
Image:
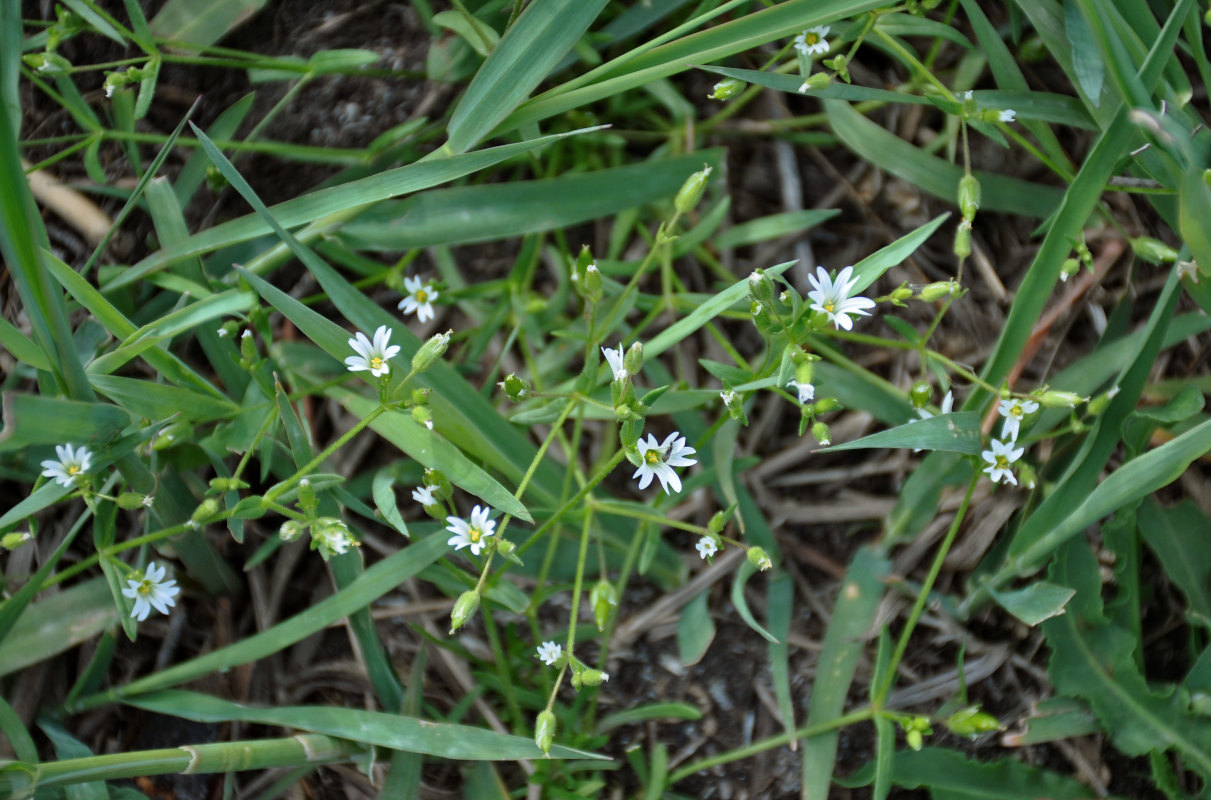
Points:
(602, 598)
(420, 397)
(544, 731)
(691, 191)
(759, 558)
(464, 608)
(920, 394)
(1153, 251)
(826, 404)
(816, 82)
(291, 529)
(938, 290)
(132, 500)
(761, 287)
(516, 388)
(727, 89)
(431, 352)
(972, 721)
(206, 511)
(969, 196)
(1070, 267)
(820, 434)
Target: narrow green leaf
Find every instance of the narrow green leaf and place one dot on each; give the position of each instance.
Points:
(186, 21)
(38, 420)
(1034, 603)
(695, 630)
(85, 12)
(781, 600)
(652, 711)
(954, 433)
(158, 401)
(383, 490)
(773, 226)
(1178, 537)
(1086, 59)
(746, 571)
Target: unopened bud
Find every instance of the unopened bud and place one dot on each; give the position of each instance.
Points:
(969, 196)
(464, 608)
(248, 353)
(172, 435)
(440, 484)
(816, 82)
(761, 287)
(307, 499)
(972, 721)
(602, 598)
(1099, 404)
(840, 65)
(544, 731)
(516, 388)
(633, 360)
(205, 511)
(220, 485)
(920, 394)
(962, 247)
(11, 541)
(431, 352)
(1153, 251)
(593, 283)
(759, 558)
(1070, 267)
(899, 295)
(821, 435)
(691, 191)
(1054, 399)
(1026, 474)
(762, 318)
(726, 89)
(734, 405)
(132, 500)
(422, 416)
(938, 290)
(420, 397)
(826, 404)
(593, 677)
(291, 529)
(804, 372)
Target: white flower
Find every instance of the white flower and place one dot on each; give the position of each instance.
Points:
(659, 460)
(948, 403)
(419, 300)
(372, 355)
(614, 359)
(999, 459)
(549, 653)
(222, 332)
(806, 391)
(967, 94)
(331, 536)
(1013, 410)
(72, 464)
(728, 397)
(424, 495)
(803, 87)
(473, 534)
(1008, 115)
(706, 547)
(812, 41)
(832, 297)
(151, 591)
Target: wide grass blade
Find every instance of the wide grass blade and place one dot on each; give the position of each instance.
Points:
(57, 623)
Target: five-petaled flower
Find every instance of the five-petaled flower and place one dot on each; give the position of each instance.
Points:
(614, 358)
(1013, 410)
(659, 460)
(1000, 460)
(812, 41)
(424, 495)
(707, 547)
(806, 391)
(72, 464)
(419, 300)
(549, 653)
(473, 534)
(151, 591)
(831, 297)
(372, 355)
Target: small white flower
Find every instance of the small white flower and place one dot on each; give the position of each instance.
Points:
(1013, 410)
(424, 495)
(803, 87)
(222, 332)
(832, 297)
(549, 653)
(419, 300)
(1000, 458)
(812, 41)
(372, 355)
(659, 460)
(148, 501)
(1008, 115)
(728, 397)
(247, 333)
(706, 547)
(806, 391)
(967, 94)
(151, 591)
(72, 464)
(331, 536)
(948, 403)
(473, 534)
(614, 359)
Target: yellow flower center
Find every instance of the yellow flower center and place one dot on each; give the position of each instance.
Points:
(1016, 411)
(1002, 463)
(830, 306)
(811, 38)
(474, 533)
(72, 469)
(421, 296)
(145, 587)
(652, 457)
(376, 363)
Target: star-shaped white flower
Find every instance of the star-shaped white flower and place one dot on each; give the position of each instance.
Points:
(806, 391)
(1013, 410)
(832, 297)
(812, 41)
(72, 464)
(614, 359)
(1000, 459)
(419, 300)
(424, 495)
(549, 653)
(659, 460)
(473, 534)
(707, 547)
(151, 591)
(372, 355)
(332, 537)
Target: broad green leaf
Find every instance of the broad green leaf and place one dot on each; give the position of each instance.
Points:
(527, 52)
(1034, 603)
(21, 348)
(1086, 59)
(477, 33)
(773, 226)
(187, 21)
(57, 623)
(39, 420)
(1178, 536)
(1054, 719)
(383, 490)
(695, 630)
(394, 731)
(954, 433)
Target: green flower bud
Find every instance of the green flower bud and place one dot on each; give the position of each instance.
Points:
(544, 731)
(593, 283)
(691, 191)
(816, 82)
(762, 318)
(593, 677)
(969, 196)
(440, 483)
(1070, 267)
(220, 485)
(602, 597)
(821, 435)
(464, 608)
(726, 89)
(430, 352)
(420, 397)
(840, 65)
(307, 498)
(248, 352)
(11, 541)
(938, 290)
(734, 405)
(962, 247)
(826, 404)
(718, 521)
(633, 360)
(915, 730)
(331, 536)
(208, 509)
(422, 416)
(515, 387)
(920, 394)
(49, 64)
(761, 287)
(1153, 251)
(172, 435)
(759, 558)
(1099, 404)
(1055, 399)
(913, 739)
(628, 435)
(804, 371)
(133, 500)
(291, 530)
(1026, 474)
(972, 721)
(899, 295)
(626, 412)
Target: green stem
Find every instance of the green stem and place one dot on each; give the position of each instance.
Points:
(576, 498)
(289, 483)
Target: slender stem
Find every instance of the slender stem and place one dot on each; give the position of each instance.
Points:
(576, 498)
(289, 483)
(579, 582)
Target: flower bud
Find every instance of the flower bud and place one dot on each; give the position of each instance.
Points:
(628, 436)
(464, 608)
(430, 352)
(719, 521)
(291, 530)
(593, 283)
(171, 435)
(422, 416)
(1153, 251)
(920, 394)
(962, 247)
(248, 352)
(1026, 474)
(132, 500)
(544, 731)
(913, 739)
(11, 541)
(726, 89)
(633, 360)
(821, 435)
(420, 397)
(1055, 399)
(205, 512)
(899, 295)
(969, 196)
(816, 82)
(515, 387)
(938, 290)
(761, 287)
(840, 65)
(915, 730)
(804, 372)
(734, 405)
(627, 412)
(51, 64)
(1070, 267)
(593, 677)
(762, 318)
(972, 721)
(1099, 404)
(220, 485)
(331, 537)
(440, 484)
(602, 597)
(826, 404)
(691, 191)
(759, 558)
(307, 499)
